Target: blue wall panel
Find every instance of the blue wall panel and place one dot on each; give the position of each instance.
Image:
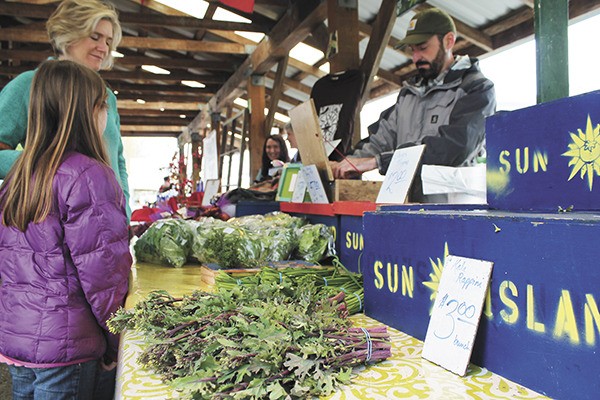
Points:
(540, 325)
(546, 156)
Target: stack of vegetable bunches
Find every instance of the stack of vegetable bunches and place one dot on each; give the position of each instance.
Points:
(271, 340)
(329, 280)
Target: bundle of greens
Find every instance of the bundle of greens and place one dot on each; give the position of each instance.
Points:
(167, 241)
(265, 341)
(328, 282)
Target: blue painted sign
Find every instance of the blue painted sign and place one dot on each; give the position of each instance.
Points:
(541, 322)
(545, 157)
(351, 242)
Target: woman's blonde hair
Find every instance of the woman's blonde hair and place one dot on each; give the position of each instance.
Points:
(74, 20)
(64, 103)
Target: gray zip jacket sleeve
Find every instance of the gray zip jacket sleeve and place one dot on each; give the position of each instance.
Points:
(449, 118)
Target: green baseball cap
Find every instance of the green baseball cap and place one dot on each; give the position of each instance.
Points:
(427, 23)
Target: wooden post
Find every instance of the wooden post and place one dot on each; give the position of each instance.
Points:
(342, 17)
(196, 159)
(256, 105)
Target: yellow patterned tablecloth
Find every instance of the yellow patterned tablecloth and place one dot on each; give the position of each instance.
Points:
(403, 376)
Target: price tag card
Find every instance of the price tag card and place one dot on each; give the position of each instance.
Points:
(299, 188)
(211, 189)
(314, 185)
(210, 156)
(456, 313)
(400, 174)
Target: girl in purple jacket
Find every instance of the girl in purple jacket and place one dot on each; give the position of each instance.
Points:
(64, 254)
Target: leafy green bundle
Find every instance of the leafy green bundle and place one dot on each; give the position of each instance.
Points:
(265, 341)
(328, 281)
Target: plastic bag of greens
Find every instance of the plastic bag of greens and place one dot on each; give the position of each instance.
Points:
(167, 241)
(281, 219)
(279, 242)
(202, 230)
(233, 247)
(315, 242)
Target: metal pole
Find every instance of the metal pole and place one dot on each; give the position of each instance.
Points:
(551, 23)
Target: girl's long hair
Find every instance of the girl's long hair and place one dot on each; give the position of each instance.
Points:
(283, 154)
(64, 101)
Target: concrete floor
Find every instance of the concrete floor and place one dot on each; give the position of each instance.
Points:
(5, 383)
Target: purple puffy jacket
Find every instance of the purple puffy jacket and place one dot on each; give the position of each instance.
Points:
(63, 277)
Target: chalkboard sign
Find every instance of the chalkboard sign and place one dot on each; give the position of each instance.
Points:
(456, 313)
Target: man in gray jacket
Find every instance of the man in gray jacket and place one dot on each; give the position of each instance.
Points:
(443, 107)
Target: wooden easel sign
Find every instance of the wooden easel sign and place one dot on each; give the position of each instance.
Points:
(400, 175)
(456, 313)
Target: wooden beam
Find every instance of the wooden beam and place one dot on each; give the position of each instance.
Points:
(150, 134)
(18, 35)
(258, 134)
(133, 105)
(288, 32)
(155, 112)
(168, 62)
(384, 22)
(150, 77)
(343, 28)
(163, 97)
(144, 120)
(172, 89)
(276, 92)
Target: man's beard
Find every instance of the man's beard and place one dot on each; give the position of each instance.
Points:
(435, 66)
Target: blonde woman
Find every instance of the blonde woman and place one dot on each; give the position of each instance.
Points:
(84, 31)
(64, 254)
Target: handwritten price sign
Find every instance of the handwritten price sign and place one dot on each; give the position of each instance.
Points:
(456, 313)
(400, 174)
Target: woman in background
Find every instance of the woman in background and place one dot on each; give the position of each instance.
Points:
(274, 149)
(84, 31)
(64, 253)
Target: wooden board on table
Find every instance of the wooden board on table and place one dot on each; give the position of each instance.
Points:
(356, 190)
(305, 122)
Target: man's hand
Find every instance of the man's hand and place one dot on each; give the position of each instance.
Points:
(352, 167)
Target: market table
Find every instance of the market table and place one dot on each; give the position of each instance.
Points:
(404, 375)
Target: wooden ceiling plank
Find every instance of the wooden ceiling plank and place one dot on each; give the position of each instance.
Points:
(16, 35)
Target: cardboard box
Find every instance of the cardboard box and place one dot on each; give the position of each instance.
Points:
(541, 321)
(545, 157)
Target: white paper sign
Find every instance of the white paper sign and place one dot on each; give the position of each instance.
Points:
(331, 145)
(210, 157)
(399, 175)
(456, 313)
(314, 185)
(299, 189)
(211, 189)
